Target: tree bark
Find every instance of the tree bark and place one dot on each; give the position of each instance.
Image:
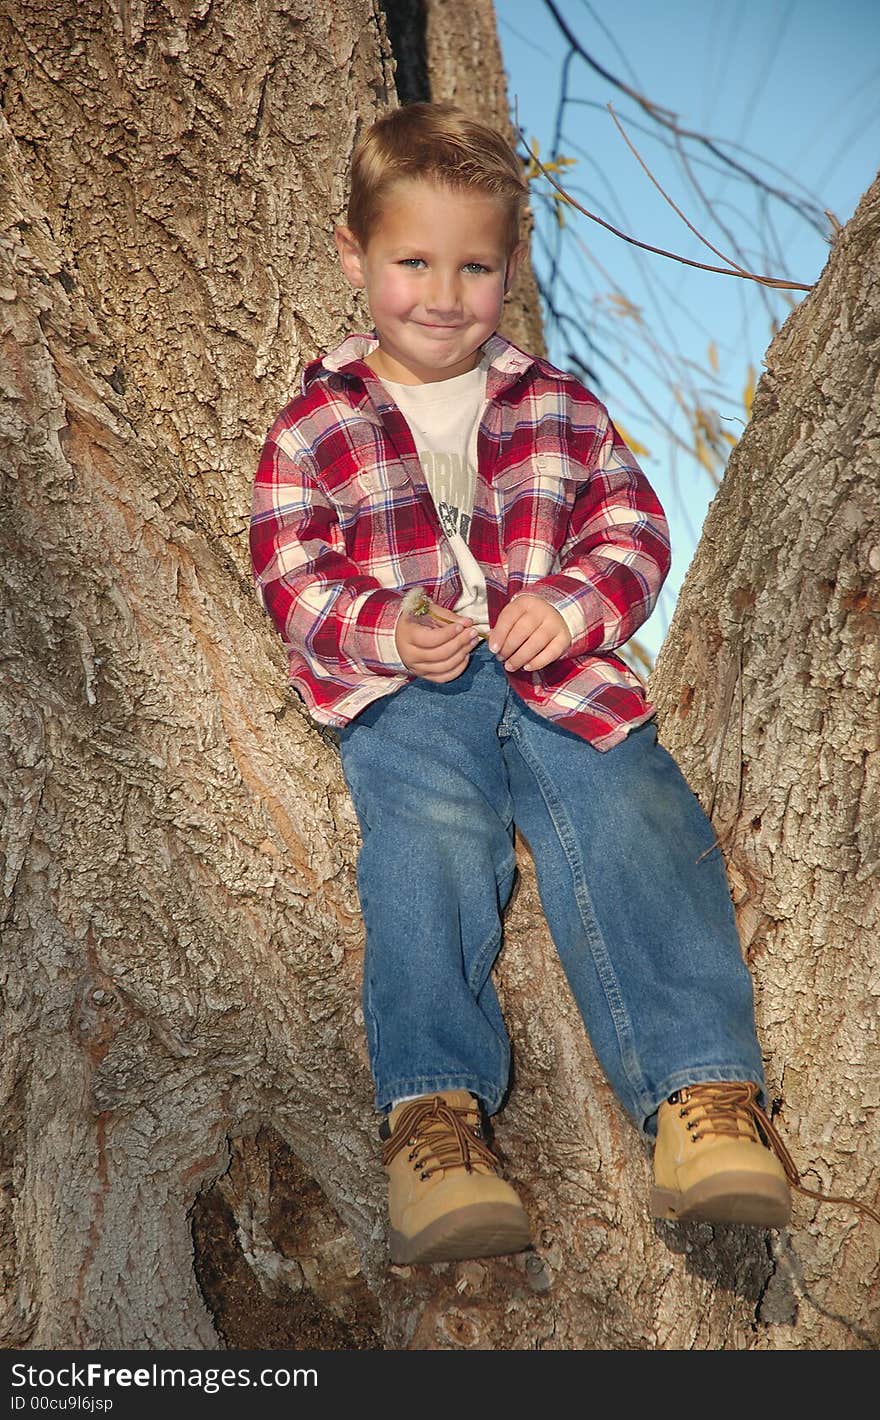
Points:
(181, 934)
(465, 66)
(768, 684)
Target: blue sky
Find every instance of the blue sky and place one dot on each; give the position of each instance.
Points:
(795, 83)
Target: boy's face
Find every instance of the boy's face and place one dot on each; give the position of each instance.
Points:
(435, 270)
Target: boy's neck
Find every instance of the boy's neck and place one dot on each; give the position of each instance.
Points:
(387, 368)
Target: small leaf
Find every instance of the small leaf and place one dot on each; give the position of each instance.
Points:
(703, 455)
(536, 168)
(749, 391)
(639, 653)
(556, 165)
(712, 352)
(632, 444)
(625, 307)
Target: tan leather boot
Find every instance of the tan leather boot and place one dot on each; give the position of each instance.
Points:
(711, 1163)
(445, 1196)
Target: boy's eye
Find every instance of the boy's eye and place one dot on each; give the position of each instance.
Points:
(412, 263)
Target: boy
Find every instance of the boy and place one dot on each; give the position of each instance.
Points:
(452, 539)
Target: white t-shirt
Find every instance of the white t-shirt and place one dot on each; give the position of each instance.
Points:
(444, 417)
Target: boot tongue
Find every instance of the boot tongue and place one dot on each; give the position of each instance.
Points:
(456, 1099)
(721, 1110)
(444, 1130)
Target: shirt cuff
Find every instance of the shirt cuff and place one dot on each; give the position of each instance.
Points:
(374, 643)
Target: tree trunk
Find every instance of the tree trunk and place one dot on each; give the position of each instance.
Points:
(181, 931)
(181, 939)
(768, 685)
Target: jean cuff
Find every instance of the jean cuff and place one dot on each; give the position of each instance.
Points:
(698, 1075)
(489, 1094)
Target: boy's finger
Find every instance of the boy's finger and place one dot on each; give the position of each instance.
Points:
(443, 648)
(531, 647)
(454, 651)
(503, 638)
(446, 668)
(517, 634)
(548, 654)
(431, 633)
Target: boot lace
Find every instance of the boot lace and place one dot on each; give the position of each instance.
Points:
(439, 1136)
(733, 1109)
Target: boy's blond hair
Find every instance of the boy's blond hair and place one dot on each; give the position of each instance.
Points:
(442, 144)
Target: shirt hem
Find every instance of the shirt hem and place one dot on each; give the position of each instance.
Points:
(346, 709)
(609, 738)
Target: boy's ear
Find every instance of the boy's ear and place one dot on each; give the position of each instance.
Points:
(513, 262)
(350, 255)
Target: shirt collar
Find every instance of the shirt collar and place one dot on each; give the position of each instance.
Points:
(507, 362)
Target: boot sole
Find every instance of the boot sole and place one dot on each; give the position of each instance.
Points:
(480, 1230)
(732, 1197)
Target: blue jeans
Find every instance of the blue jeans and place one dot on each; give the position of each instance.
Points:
(638, 910)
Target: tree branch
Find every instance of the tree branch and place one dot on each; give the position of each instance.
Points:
(773, 281)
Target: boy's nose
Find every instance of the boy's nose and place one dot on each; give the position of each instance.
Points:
(443, 296)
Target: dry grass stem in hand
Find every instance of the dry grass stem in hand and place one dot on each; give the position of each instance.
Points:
(417, 603)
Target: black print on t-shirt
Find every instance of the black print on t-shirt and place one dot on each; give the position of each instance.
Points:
(453, 520)
(450, 477)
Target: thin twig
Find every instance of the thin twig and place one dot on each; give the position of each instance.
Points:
(665, 195)
(713, 212)
(668, 119)
(646, 246)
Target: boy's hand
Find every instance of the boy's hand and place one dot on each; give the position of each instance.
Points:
(529, 634)
(432, 649)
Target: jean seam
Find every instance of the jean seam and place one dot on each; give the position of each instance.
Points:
(623, 1028)
(371, 1024)
(490, 947)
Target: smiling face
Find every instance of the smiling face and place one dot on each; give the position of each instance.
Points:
(435, 270)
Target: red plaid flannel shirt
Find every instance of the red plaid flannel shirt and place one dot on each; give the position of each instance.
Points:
(344, 524)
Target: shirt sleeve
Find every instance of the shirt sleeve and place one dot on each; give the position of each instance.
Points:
(339, 619)
(616, 555)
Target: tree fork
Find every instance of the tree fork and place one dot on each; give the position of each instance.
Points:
(182, 935)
